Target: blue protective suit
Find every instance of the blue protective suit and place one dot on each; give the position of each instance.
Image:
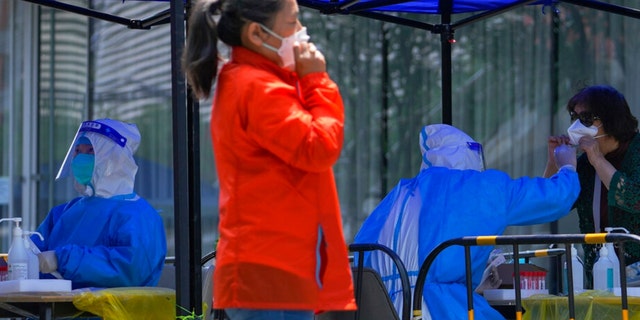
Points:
(449, 204)
(103, 242)
(109, 237)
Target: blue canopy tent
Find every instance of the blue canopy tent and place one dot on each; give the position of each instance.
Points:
(186, 153)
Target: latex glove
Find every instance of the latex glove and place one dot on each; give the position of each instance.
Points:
(565, 155)
(490, 276)
(48, 261)
(490, 279)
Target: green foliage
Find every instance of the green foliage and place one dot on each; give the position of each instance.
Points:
(192, 315)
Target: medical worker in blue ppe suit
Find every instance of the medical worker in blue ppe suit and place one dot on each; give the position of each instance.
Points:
(109, 236)
(453, 196)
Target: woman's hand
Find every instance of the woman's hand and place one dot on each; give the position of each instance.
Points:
(590, 146)
(604, 168)
(308, 59)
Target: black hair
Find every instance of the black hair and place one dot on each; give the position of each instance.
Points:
(611, 107)
(200, 56)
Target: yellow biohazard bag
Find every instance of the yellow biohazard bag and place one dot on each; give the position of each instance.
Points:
(125, 303)
(589, 305)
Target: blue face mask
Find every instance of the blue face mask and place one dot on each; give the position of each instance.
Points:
(82, 167)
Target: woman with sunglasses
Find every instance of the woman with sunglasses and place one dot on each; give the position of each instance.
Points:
(609, 169)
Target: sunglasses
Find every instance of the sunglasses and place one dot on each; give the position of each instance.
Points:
(586, 118)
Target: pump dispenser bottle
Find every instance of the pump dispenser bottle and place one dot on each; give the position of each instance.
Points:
(614, 257)
(603, 272)
(577, 270)
(18, 257)
(32, 249)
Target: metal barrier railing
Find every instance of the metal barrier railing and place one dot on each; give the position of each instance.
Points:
(516, 241)
(535, 254)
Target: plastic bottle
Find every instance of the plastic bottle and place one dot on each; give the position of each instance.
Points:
(614, 257)
(577, 269)
(32, 249)
(18, 258)
(603, 272)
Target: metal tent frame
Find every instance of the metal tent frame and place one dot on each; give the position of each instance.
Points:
(186, 151)
(387, 11)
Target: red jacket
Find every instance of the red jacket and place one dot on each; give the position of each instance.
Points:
(275, 139)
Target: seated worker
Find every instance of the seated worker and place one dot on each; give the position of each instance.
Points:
(453, 196)
(109, 236)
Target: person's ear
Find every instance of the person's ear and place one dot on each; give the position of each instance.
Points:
(254, 34)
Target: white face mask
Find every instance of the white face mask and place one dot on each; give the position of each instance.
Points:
(286, 48)
(577, 130)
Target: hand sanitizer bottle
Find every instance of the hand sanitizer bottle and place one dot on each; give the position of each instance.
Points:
(18, 258)
(603, 272)
(32, 249)
(577, 270)
(614, 257)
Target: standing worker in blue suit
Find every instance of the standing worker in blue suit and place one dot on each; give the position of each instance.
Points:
(109, 236)
(453, 196)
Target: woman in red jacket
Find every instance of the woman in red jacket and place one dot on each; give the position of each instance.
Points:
(277, 126)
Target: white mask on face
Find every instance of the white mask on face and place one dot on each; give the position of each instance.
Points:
(286, 48)
(577, 130)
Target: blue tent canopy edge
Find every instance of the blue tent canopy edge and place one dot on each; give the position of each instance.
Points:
(416, 6)
(440, 7)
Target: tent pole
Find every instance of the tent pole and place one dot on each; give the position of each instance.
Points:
(446, 38)
(384, 167)
(186, 176)
(555, 281)
(447, 117)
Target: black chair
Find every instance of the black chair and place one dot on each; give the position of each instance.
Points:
(371, 294)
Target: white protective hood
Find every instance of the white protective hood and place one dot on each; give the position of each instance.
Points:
(446, 146)
(114, 143)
